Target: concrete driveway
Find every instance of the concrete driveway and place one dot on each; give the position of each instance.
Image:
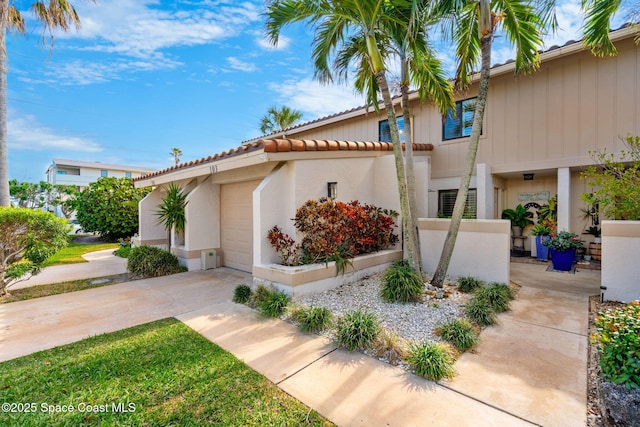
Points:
(42, 323)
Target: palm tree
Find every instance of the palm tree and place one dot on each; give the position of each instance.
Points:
(277, 120)
(476, 22)
(52, 15)
(348, 31)
(597, 25)
(409, 44)
(171, 212)
(176, 153)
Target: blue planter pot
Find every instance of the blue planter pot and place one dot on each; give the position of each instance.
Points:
(542, 251)
(562, 261)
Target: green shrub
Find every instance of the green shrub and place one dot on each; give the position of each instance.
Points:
(469, 284)
(242, 293)
(313, 319)
(273, 303)
(123, 251)
(149, 261)
(259, 295)
(401, 283)
(459, 333)
(432, 361)
(496, 295)
(357, 330)
(479, 312)
(619, 344)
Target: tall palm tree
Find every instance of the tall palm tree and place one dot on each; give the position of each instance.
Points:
(277, 120)
(476, 22)
(176, 153)
(52, 14)
(339, 25)
(408, 43)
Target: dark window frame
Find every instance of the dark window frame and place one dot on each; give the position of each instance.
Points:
(458, 125)
(384, 132)
(445, 207)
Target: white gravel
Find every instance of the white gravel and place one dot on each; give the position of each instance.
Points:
(412, 321)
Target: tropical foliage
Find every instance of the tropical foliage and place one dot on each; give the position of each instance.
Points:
(328, 229)
(149, 261)
(176, 153)
(52, 15)
(44, 196)
(563, 241)
(109, 207)
(355, 35)
(279, 119)
(27, 238)
(171, 211)
(617, 181)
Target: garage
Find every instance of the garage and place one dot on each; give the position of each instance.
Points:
(236, 224)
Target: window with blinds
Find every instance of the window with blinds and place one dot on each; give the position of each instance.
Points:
(447, 199)
(457, 123)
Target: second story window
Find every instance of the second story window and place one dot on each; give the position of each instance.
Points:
(458, 123)
(384, 132)
(104, 172)
(127, 174)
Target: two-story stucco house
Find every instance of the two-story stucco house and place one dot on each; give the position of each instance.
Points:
(537, 135)
(80, 173)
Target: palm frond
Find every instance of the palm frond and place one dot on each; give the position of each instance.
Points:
(522, 26)
(597, 25)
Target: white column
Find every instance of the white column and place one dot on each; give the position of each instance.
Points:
(564, 199)
(484, 186)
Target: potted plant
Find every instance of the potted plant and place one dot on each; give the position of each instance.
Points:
(563, 246)
(542, 233)
(519, 217)
(595, 231)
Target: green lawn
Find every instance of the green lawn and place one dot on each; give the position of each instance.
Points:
(72, 254)
(158, 374)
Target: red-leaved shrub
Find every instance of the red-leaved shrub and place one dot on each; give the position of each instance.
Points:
(329, 229)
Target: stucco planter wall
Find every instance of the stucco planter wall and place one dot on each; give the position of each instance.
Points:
(305, 279)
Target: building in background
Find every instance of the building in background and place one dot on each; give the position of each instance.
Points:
(80, 173)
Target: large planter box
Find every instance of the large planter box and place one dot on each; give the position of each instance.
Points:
(306, 279)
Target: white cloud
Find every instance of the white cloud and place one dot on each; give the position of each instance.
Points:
(240, 65)
(25, 133)
(316, 100)
(283, 43)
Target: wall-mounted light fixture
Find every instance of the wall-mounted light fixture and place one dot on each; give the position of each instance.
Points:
(528, 176)
(332, 190)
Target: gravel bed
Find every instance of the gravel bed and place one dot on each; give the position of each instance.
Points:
(412, 321)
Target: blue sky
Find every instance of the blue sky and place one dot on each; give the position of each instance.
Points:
(143, 76)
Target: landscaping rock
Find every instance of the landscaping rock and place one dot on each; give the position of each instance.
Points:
(619, 406)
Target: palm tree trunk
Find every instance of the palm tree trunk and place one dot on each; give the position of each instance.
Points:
(472, 151)
(4, 163)
(405, 212)
(410, 178)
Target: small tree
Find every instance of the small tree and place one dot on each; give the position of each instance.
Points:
(617, 179)
(279, 119)
(176, 153)
(109, 207)
(171, 212)
(27, 238)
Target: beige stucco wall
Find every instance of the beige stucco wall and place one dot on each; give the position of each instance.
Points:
(203, 216)
(470, 255)
(620, 267)
(149, 229)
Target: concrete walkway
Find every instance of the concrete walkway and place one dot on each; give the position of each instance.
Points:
(530, 369)
(100, 264)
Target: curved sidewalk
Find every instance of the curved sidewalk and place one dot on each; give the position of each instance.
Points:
(530, 369)
(100, 264)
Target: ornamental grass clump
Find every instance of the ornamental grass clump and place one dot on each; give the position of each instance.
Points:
(480, 313)
(433, 361)
(389, 346)
(273, 303)
(357, 330)
(401, 283)
(496, 295)
(313, 319)
(468, 284)
(460, 333)
(618, 341)
(241, 294)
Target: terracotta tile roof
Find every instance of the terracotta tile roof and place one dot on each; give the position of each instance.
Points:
(287, 145)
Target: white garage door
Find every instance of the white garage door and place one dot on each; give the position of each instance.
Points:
(236, 224)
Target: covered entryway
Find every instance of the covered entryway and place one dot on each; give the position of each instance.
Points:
(236, 224)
